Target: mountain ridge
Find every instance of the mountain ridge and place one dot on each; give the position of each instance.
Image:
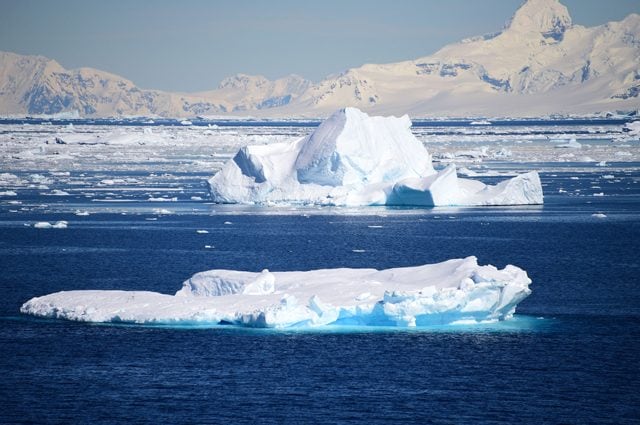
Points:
(539, 63)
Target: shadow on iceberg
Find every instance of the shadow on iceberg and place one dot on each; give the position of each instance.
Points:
(353, 159)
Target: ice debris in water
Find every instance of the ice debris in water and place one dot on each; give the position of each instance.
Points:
(46, 225)
(454, 291)
(569, 144)
(353, 159)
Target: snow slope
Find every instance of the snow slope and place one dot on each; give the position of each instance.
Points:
(353, 159)
(455, 291)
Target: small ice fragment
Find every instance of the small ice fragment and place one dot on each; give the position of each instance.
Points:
(569, 144)
(373, 226)
(152, 199)
(598, 194)
(599, 215)
(196, 198)
(228, 222)
(358, 250)
(8, 193)
(202, 231)
(46, 225)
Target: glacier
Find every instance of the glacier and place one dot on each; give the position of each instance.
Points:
(353, 159)
(457, 291)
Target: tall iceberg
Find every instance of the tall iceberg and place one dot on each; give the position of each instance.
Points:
(454, 291)
(353, 159)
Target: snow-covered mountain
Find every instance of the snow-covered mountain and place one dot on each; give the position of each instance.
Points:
(37, 85)
(540, 63)
(254, 92)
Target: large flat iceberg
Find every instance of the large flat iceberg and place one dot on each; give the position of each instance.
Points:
(454, 291)
(353, 159)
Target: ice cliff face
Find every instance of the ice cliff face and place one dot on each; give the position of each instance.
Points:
(539, 63)
(353, 159)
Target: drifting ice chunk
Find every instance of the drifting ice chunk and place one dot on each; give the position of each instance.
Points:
(354, 159)
(46, 225)
(454, 291)
(569, 144)
(632, 128)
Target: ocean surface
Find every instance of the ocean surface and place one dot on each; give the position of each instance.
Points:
(571, 355)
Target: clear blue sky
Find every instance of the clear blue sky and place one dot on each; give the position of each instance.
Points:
(191, 45)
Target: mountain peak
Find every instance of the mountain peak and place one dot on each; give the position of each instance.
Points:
(548, 17)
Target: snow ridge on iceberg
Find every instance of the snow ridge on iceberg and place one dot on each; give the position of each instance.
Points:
(454, 291)
(353, 159)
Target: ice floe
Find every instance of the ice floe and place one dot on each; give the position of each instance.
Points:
(46, 225)
(454, 291)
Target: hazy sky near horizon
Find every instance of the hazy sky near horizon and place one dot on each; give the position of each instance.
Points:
(192, 45)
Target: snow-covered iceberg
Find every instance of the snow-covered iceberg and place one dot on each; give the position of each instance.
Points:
(451, 292)
(353, 159)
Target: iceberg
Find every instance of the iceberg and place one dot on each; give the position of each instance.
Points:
(452, 292)
(353, 159)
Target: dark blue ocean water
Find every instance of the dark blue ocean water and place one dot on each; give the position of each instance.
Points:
(572, 355)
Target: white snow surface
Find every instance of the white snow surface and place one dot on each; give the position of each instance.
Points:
(353, 159)
(454, 291)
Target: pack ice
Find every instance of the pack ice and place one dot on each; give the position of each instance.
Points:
(353, 159)
(451, 292)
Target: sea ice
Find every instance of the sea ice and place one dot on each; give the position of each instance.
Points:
(569, 144)
(353, 159)
(46, 225)
(632, 128)
(453, 291)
